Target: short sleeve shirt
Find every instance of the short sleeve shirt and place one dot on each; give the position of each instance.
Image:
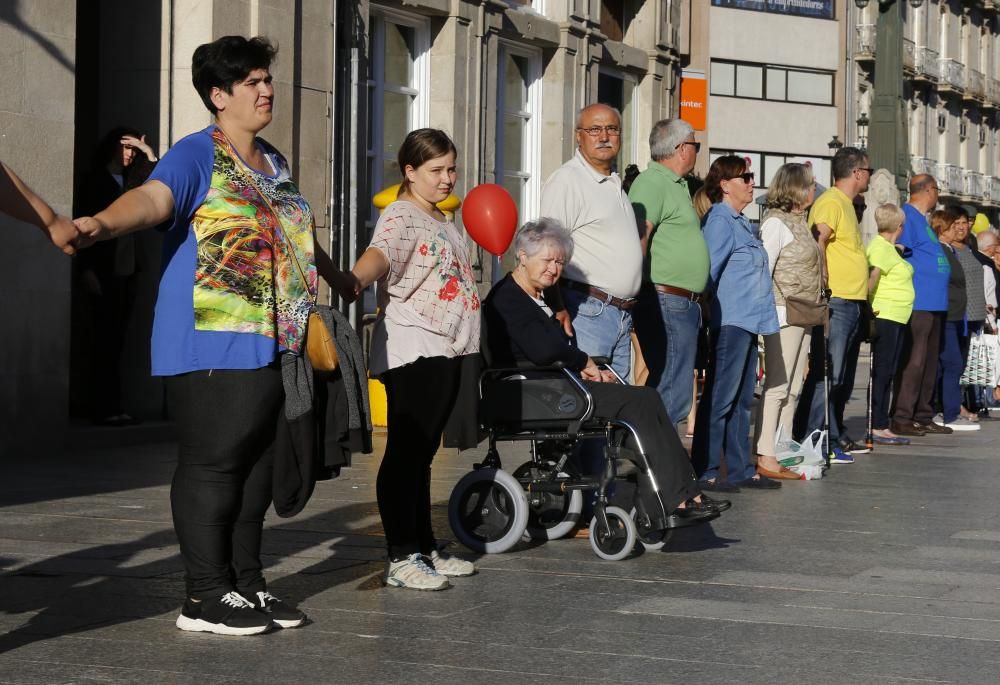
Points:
(429, 301)
(846, 265)
(678, 255)
(893, 296)
(227, 299)
(931, 269)
(596, 210)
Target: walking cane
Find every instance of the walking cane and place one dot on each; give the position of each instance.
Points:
(826, 379)
(869, 437)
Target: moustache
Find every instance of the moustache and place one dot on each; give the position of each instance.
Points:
(601, 146)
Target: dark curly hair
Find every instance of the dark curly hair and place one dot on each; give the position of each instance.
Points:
(227, 61)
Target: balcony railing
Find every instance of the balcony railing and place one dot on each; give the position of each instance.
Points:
(866, 41)
(949, 178)
(926, 61)
(993, 91)
(909, 55)
(951, 76)
(974, 81)
(922, 165)
(974, 185)
(995, 190)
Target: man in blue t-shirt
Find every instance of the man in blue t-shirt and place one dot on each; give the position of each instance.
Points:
(914, 412)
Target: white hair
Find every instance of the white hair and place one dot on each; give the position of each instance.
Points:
(535, 235)
(666, 137)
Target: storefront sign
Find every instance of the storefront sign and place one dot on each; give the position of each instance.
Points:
(694, 98)
(820, 9)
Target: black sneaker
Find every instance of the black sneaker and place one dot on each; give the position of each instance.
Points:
(230, 614)
(852, 447)
(283, 615)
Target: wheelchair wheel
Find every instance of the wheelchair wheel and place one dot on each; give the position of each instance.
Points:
(621, 542)
(551, 515)
(651, 540)
(488, 511)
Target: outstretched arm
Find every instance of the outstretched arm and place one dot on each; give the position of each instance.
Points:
(148, 205)
(18, 201)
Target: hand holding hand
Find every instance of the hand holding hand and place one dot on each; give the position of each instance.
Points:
(63, 234)
(90, 231)
(591, 372)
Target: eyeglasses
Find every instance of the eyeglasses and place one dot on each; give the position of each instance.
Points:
(696, 146)
(864, 168)
(594, 131)
(747, 177)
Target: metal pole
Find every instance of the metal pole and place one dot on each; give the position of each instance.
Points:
(888, 143)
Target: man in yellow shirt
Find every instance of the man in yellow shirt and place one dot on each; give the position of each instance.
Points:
(845, 273)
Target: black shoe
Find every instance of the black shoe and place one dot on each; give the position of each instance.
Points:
(230, 614)
(720, 505)
(283, 615)
(716, 485)
(852, 447)
(932, 427)
(910, 428)
(760, 483)
(689, 516)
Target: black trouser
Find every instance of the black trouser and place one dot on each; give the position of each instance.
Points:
(420, 396)
(919, 376)
(642, 407)
(227, 422)
(886, 348)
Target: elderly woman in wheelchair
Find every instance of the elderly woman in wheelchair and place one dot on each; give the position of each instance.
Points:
(541, 388)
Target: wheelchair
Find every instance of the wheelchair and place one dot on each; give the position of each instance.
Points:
(491, 510)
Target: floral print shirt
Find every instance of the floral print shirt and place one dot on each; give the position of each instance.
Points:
(428, 301)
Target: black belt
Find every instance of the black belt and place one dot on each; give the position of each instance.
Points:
(606, 297)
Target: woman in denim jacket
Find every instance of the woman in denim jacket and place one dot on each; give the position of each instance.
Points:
(742, 308)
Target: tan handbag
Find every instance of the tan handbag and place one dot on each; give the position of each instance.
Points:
(320, 349)
(802, 312)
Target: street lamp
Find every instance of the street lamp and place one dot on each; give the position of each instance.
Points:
(862, 123)
(834, 144)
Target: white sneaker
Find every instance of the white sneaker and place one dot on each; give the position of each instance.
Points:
(447, 565)
(414, 573)
(963, 424)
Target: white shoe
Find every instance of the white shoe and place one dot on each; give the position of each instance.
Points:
(414, 573)
(963, 424)
(447, 565)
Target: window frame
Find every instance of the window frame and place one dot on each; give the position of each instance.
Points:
(632, 81)
(532, 141)
(764, 67)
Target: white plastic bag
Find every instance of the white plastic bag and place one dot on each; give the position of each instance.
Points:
(811, 451)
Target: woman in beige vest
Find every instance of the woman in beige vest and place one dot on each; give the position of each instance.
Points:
(794, 259)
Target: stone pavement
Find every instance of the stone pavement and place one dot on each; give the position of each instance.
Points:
(886, 571)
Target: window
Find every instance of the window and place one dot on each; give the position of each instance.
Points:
(765, 165)
(518, 137)
(618, 90)
(771, 82)
(397, 82)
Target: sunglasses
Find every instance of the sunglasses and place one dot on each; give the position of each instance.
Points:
(696, 146)
(747, 177)
(864, 168)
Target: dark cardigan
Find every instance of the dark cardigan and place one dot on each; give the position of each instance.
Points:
(518, 330)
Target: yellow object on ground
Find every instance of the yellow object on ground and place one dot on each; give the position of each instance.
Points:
(378, 403)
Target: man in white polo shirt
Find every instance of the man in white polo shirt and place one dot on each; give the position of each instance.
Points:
(601, 282)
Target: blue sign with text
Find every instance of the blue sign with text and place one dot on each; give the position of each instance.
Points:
(820, 9)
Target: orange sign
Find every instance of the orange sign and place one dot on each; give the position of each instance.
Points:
(694, 101)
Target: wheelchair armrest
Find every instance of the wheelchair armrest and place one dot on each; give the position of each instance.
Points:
(601, 361)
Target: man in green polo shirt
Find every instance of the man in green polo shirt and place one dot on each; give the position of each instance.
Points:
(668, 314)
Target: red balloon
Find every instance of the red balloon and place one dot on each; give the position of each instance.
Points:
(490, 217)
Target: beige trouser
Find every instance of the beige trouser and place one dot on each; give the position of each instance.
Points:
(786, 355)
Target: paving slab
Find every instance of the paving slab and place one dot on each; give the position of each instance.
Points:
(886, 571)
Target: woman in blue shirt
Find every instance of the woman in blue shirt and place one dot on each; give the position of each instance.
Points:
(742, 308)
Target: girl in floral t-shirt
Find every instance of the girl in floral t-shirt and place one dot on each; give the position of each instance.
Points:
(429, 320)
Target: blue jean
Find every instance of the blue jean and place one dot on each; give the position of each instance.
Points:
(601, 329)
(667, 327)
(951, 363)
(842, 349)
(723, 424)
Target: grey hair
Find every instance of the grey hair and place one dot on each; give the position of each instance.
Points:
(535, 235)
(666, 136)
(579, 115)
(888, 217)
(987, 237)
